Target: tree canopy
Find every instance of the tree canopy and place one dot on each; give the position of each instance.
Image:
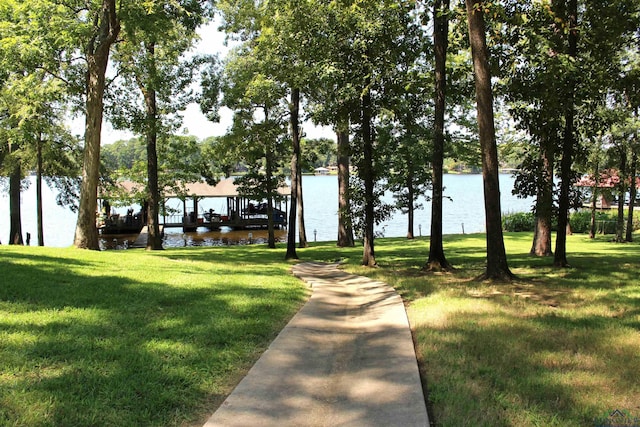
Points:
(563, 74)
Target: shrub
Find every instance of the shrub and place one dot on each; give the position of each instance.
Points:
(580, 221)
(518, 221)
(605, 222)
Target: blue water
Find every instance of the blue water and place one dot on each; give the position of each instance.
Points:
(463, 211)
(463, 207)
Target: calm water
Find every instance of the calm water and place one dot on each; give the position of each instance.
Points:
(463, 211)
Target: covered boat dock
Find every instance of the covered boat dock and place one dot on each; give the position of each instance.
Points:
(241, 211)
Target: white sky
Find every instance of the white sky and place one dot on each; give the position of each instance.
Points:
(195, 123)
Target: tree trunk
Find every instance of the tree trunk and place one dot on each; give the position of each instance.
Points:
(560, 257)
(437, 260)
(86, 234)
(497, 267)
(368, 253)
(633, 191)
(295, 161)
(154, 237)
(410, 208)
(302, 230)
(345, 230)
(271, 240)
(594, 201)
(15, 214)
(544, 203)
(622, 191)
(270, 192)
(39, 190)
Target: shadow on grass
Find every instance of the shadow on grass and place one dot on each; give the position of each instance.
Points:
(555, 347)
(86, 343)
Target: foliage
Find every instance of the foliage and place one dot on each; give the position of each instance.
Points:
(518, 221)
(258, 137)
(579, 221)
(181, 159)
(539, 67)
(382, 210)
(151, 59)
(33, 97)
(123, 155)
(318, 153)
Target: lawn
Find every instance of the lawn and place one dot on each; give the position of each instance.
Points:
(134, 338)
(159, 338)
(557, 347)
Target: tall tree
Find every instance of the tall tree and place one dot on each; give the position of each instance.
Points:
(437, 259)
(368, 176)
(33, 97)
(497, 267)
(259, 130)
(403, 137)
(534, 95)
(387, 38)
(97, 46)
(157, 35)
(283, 37)
(295, 173)
(15, 177)
(631, 97)
(568, 141)
(633, 180)
(345, 226)
(622, 192)
(335, 97)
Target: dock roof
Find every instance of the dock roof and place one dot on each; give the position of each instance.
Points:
(225, 188)
(608, 179)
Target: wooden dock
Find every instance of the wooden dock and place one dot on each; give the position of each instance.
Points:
(141, 240)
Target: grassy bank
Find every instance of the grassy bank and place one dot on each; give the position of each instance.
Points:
(556, 347)
(133, 338)
(139, 338)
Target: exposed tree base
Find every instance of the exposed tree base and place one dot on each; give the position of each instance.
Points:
(438, 266)
(89, 243)
(496, 277)
(561, 264)
(346, 245)
(541, 254)
(289, 256)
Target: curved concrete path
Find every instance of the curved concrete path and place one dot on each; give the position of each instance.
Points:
(345, 359)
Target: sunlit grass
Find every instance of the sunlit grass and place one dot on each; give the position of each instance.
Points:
(134, 338)
(554, 347)
(159, 338)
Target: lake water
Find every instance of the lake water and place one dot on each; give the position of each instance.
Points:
(462, 212)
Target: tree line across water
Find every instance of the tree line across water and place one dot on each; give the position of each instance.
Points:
(550, 85)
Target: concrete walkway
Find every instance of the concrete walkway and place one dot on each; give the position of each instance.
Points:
(345, 359)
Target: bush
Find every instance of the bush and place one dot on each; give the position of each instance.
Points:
(605, 222)
(580, 221)
(518, 221)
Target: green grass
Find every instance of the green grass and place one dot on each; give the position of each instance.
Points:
(133, 338)
(557, 347)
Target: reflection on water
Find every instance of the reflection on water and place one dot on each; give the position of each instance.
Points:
(177, 239)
